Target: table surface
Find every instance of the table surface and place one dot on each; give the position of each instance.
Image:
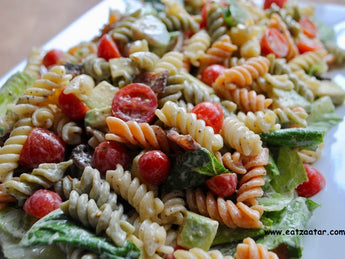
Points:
(31, 23)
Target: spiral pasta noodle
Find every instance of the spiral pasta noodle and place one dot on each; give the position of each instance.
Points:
(143, 200)
(43, 117)
(215, 22)
(224, 211)
(239, 137)
(10, 152)
(103, 219)
(34, 62)
(218, 53)
(196, 47)
(96, 188)
(246, 100)
(306, 60)
(249, 249)
(175, 17)
(250, 183)
(187, 123)
(288, 116)
(137, 134)
(243, 75)
(232, 161)
(260, 121)
(144, 60)
(97, 68)
(42, 90)
(45, 176)
(171, 62)
(153, 237)
(174, 208)
(173, 90)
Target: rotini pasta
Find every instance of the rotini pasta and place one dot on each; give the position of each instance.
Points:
(187, 123)
(243, 75)
(249, 249)
(224, 211)
(239, 137)
(135, 133)
(144, 201)
(46, 175)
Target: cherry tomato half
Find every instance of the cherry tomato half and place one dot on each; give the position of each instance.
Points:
(211, 113)
(273, 41)
(154, 167)
(268, 3)
(308, 27)
(222, 185)
(136, 102)
(107, 48)
(315, 183)
(41, 146)
(72, 106)
(210, 74)
(53, 57)
(307, 44)
(108, 154)
(42, 202)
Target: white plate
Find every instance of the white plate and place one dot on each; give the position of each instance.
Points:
(331, 215)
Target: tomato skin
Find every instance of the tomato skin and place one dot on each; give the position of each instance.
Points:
(222, 185)
(107, 48)
(268, 3)
(73, 107)
(53, 57)
(315, 183)
(154, 167)
(307, 44)
(273, 41)
(42, 146)
(42, 202)
(108, 154)
(136, 102)
(308, 27)
(210, 74)
(211, 113)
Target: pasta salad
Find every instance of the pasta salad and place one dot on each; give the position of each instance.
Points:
(183, 129)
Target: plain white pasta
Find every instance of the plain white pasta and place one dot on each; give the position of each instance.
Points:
(237, 135)
(187, 123)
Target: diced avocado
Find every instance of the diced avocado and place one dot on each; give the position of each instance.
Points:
(13, 88)
(101, 95)
(289, 99)
(151, 29)
(333, 90)
(95, 118)
(197, 231)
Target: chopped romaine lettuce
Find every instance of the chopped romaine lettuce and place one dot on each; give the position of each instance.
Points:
(294, 217)
(292, 172)
(56, 227)
(323, 116)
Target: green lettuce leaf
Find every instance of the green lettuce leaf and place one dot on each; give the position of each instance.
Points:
(227, 235)
(323, 116)
(56, 227)
(292, 172)
(294, 217)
